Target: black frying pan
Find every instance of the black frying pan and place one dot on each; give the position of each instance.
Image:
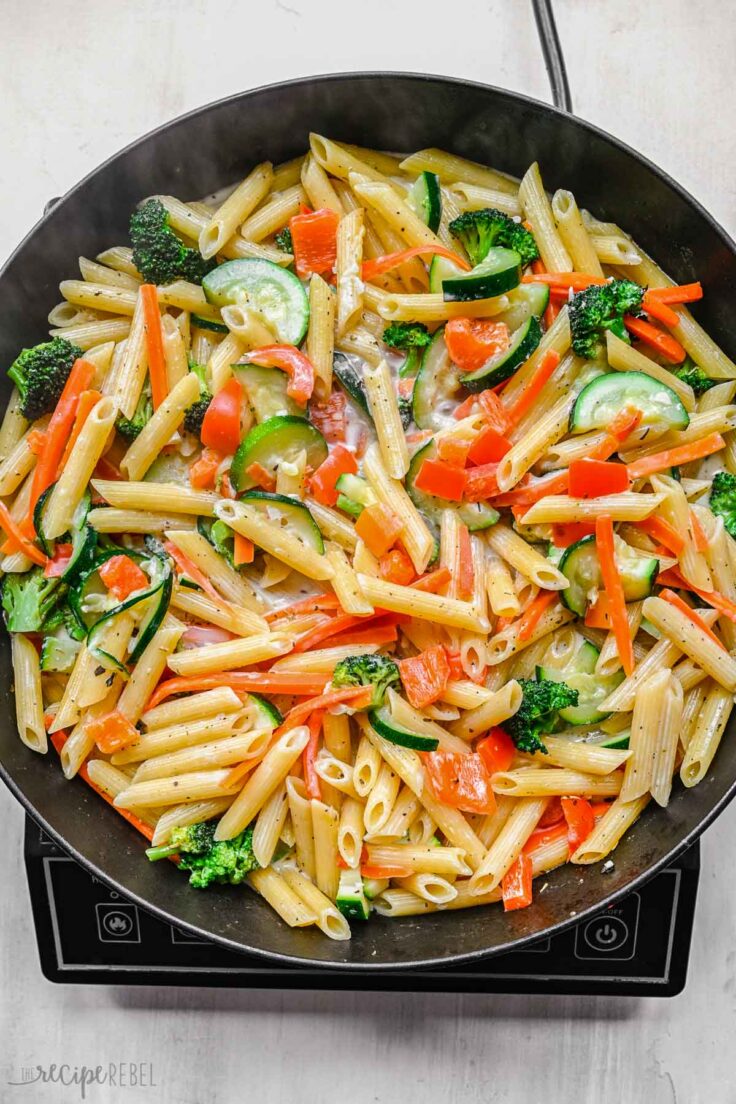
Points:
(196, 155)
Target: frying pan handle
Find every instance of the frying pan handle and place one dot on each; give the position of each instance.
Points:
(553, 57)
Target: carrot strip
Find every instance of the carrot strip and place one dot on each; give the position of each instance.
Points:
(309, 756)
(58, 430)
(664, 343)
(237, 773)
(433, 581)
(242, 682)
(681, 454)
(378, 633)
(87, 401)
(18, 541)
(660, 530)
(243, 550)
(314, 604)
(547, 365)
(655, 308)
(529, 618)
(699, 536)
(356, 696)
(691, 614)
(380, 265)
(677, 293)
(714, 598)
(578, 281)
(186, 567)
(154, 344)
(615, 590)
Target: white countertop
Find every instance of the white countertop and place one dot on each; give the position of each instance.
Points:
(78, 81)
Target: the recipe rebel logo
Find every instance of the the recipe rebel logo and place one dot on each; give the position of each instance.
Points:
(118, 1075)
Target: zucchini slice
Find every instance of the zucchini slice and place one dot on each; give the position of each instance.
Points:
(265, 389)
(524, 301)
(267, 711)
(440, 269)
(603, 398)
(425, 199)
(580, 564)
(209, 324)
(476, 515)
(391, 730)
(523, 343)
(499, 271)
(274, 441)
(289, 513)
(83, 536)
(351, 899)
(353, 494)
(435, 397)
(273, 291)
(592, 689)
(351, 380)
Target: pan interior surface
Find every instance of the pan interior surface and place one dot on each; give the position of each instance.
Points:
(216, 146)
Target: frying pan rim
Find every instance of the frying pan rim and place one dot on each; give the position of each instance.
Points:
(519, 943)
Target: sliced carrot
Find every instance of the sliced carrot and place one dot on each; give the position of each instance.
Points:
(524, 403)
(662, 342)
(454, 450)
(17, 538)
(309, 756)
(261, 476)
(242, 682)
(442, 480)
(680, 454)
(655, 308)
(243, 550)
(471, 342)
(497, 750)
(379, 633)
(238, 773)
(550, 313)
(396, 567)
(593, 478)
(378, 527)
(432, 582)
(566, 533)
(578, 281)
(340, 461)
(87, 401)
(154, 344)
(316, 603)
(384, 870)
(425, 676)
(58, 431)
(191, 571)
(494, 410)
(465, 579)
(660, 530)
(700, 538)
(598, 614)
(203, 472)
(489, 446)
(460, 781)
(692, 615)
(380, 265)
(530, 617)
(329, 416)
(614, 590)
(122, 576)
(714, 598)
(357, 697)
(676, 293)
(36, 441)
(481, 483)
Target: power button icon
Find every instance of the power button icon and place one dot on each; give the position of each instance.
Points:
(606, 933)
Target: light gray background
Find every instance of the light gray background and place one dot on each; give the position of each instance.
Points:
(78, 81)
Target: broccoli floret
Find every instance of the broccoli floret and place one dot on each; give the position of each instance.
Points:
(195, 413)
(479, 231)
(158, 254)
(284, 240)
(690, 373)
(538, 712)
(129, 428)
(602, 307)
(224, 862)
(723, 499)
(411, 337)
(377, 671)
(40, 374)
(29, 600)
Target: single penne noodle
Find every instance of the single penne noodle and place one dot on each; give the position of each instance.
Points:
(667, 741)
(625, 506)
(466, 694)
(320, 191)
(18, 462)
(300, 811)
(237, 207)
(350, 832)
(348, 269)
(158, 497)
(345, 583)
(148, 670)
(80, 464)
(450, 169)
(574, 234)
(194, 707)
(401, 902)
(381, 800)
(195, 786)
(472, 197)
(402, 815)
(489, 826)
(181, 816)
(157, 432)
(507, 643)
(615, 249)
(406, 715)
(581, 757)
(285, 546)
(212, 658)
(274, 889)
(431, 307)
(609, 830)
(269, 825)
(100, 297)
(419, 859)
(541, 781)
(90, 333)
(321, 334)
(340, 160)
(512, 548)
(430, 887)
(538, 211)
(691, 640)
(507, 846)
(422, 829)
(13, 424)
(367, 766)
(28, 693)
(175, 351)
(545, 431)
(325, 821)
(383, 404)
(502, 597)
(705, 735)
(693, 702)
(430, 607)
(274, 214)
(263, 781)
(108, 519)
(329, 920)
(502, 705)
